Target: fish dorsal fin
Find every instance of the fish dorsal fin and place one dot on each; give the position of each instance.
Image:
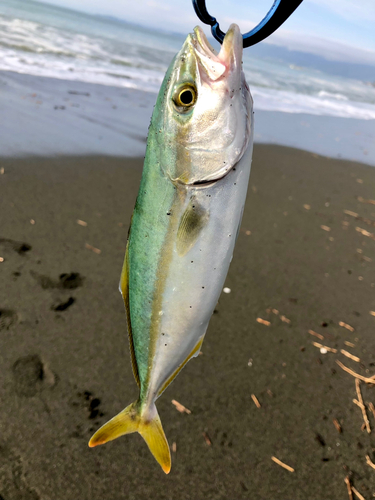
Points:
(191, 224)
(124, 289)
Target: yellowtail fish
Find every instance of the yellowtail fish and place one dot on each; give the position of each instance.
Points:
(185, 223)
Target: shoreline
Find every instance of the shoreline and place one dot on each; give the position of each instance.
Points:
(47, 117)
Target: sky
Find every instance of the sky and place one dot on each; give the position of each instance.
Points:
(336, 29)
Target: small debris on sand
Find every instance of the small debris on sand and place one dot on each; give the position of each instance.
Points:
(348, 355)
(318, 335)
(307, 207)
(372, 313)
(285, 319)
(1, 259)
(349, 344)
(81, 222)
(263, 321)
(90, 247)
(345, 325)
(226, 290)
(32, 222)
(336, 423)
(207, 438)
(325, 228)
(174, 447)
(365, 233)
(361, 404)
(181, 408)
(2, 171)
(327, 349)
(282, 464)
(362, 200)
(349, 212)
(256, 401)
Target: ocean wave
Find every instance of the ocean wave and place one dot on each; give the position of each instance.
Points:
(288, 102)
(92, 51)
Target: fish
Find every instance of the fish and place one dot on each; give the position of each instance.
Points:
(185, 223)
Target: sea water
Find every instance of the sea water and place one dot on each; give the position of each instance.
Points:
(43, 40)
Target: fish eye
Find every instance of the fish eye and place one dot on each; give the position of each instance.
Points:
(186, 96)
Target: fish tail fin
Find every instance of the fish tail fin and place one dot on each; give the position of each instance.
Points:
(149, 427)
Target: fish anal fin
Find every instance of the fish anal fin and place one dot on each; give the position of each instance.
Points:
(124, 289)
(191, 224)
(192, 354)
(149, 427)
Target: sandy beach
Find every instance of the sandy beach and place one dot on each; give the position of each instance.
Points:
(304, 261)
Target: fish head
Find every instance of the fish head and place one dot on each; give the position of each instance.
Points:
(204, 110)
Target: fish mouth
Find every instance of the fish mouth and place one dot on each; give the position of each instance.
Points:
(228, 60)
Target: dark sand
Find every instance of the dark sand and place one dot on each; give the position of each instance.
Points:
(64, 360)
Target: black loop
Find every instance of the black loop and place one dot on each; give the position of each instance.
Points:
(277, 15)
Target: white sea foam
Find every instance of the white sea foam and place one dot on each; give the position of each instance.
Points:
(77, 47)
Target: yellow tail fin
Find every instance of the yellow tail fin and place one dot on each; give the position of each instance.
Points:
(130, 420)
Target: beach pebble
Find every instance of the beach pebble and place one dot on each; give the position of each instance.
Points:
(323, 350)
(226, 290)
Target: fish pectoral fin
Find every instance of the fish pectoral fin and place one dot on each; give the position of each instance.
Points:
(130, 420)
(191, 224)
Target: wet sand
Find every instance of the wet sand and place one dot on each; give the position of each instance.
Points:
(300, 264)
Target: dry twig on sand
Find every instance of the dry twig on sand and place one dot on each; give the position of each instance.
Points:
(349, 344)
(285, 319)
(311, 332)
(372, 409)
(285, 466)
(370, 462)
(336, 423)
(368, 380)
(349, 212)
(362, 200)
(181, 408)
(321, 346)
(207, 439)
(365, 233)
(345, 325)
(351, 356)
(362, 405)
(256, 401)
(263, 321)
(90, 247)
(357, 494)
(348, 485)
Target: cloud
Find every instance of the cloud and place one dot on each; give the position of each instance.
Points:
(332, 50)
(352, 10)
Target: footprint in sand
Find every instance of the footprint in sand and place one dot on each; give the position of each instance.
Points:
(17, 246)
(7, 319)
(31, 375)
